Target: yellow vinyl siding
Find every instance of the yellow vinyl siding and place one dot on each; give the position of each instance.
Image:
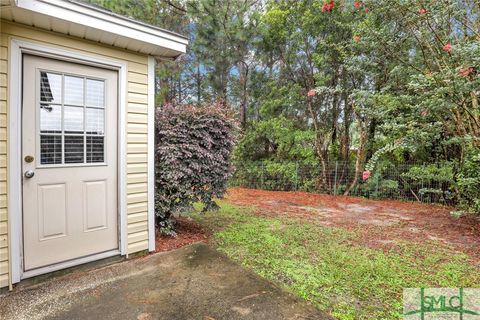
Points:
(137, 158)
(3, 201)
(136, 188)
(4, 266)
(138, 237)
(138, 88)
(135, 217)
(137, 108)
(136, 126)
(137, 149)
(3, 238)
(137, 178)
(136, 168)
(134, 77)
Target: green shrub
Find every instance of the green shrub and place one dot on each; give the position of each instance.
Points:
(433, 182)
(468, 182)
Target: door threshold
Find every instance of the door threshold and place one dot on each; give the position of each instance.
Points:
(69, 264)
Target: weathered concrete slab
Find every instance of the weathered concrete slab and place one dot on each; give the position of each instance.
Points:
(194, 282)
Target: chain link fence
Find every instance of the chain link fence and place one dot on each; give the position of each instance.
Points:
(388, 181)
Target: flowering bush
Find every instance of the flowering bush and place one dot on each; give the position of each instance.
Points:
(328, 6)
(192, 159)
(366, 174)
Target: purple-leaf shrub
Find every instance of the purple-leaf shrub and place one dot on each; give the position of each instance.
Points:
(192, 158)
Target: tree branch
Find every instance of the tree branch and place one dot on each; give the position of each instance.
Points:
(171, 4)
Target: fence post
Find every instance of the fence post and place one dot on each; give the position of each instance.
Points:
(261, 176)
(335, 182)
(421, 188)
(296, 175)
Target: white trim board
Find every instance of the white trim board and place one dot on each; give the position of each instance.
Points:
(151, 154)
(17, 49)
(69, 264)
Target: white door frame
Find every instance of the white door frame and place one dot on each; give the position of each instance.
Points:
(18, 47)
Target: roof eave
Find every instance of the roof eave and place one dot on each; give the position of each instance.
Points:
(104, 21)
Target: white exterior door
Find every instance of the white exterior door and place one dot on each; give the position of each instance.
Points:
(69, 161)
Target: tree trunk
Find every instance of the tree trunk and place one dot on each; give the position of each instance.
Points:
(321, 147)
(475, 119)
(199, 85)
(360, 156)
(371, 135)
(322, 141)
(243, 74)
(345, 137)
(179, 83)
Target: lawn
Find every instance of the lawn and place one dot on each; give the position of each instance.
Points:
(328, 267)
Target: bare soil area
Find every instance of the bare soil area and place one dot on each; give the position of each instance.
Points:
(188, 232)
(379, 223)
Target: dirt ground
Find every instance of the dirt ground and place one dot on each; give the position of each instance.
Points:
(188, 232)
(379, 222)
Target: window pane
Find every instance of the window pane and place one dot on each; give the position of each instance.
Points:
(73, 149)
(50, 118)
(95, 121)
(95, 147)
(73, 90)
(50, 87)
(50, 149)
(95, 93)
(73, 119)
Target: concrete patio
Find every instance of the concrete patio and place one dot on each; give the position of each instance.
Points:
(195, 282)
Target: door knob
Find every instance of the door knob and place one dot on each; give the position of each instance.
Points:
(29, 174)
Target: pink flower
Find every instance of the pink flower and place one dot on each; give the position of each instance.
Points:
(423, 11)
(467, 73)
(357, 4)
(424, 113)
(464, 72)
(367, 10)
(311, 93)
(366, 174)
(447, 47)
(328, 6)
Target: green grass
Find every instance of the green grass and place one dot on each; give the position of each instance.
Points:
(321, 264)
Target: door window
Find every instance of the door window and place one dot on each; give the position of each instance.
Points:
(72, 119)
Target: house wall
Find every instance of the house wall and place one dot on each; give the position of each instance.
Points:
(136, 118)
